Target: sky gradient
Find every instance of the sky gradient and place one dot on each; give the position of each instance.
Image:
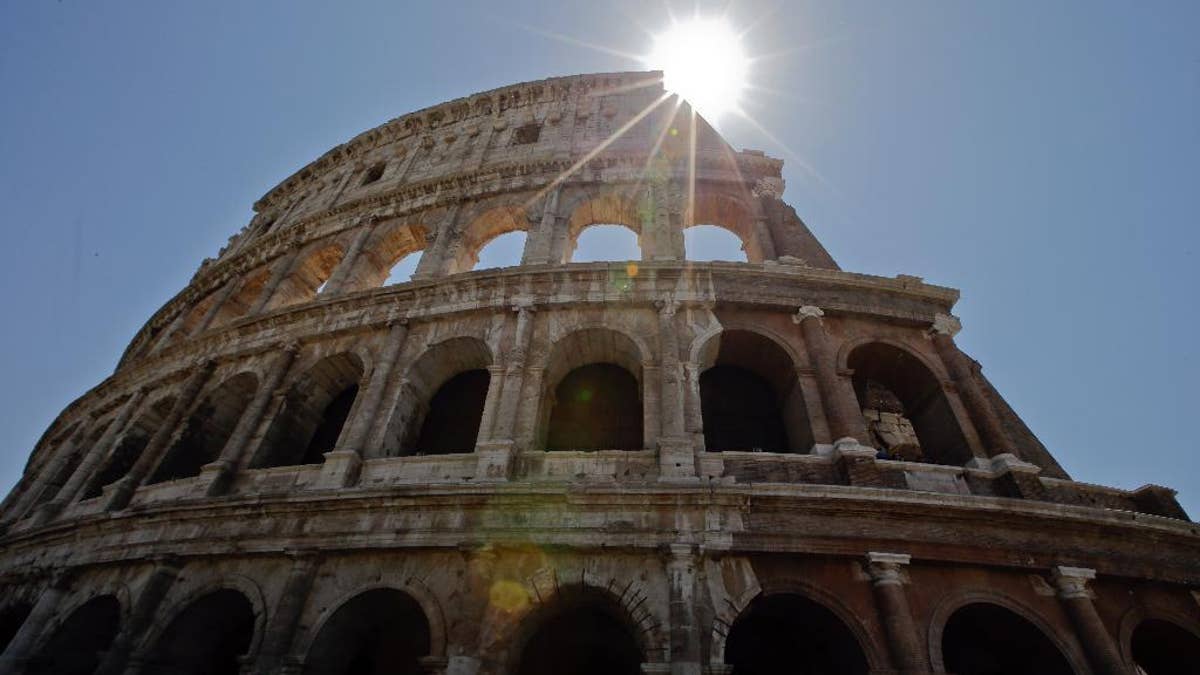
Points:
(1041, 157)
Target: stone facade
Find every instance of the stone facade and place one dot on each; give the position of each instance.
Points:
(641, 466)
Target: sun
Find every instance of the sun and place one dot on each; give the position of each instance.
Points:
(703, 61)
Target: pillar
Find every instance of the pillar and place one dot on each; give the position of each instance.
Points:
(338, 278)
(685, 632)
(216, 478)
(141, 615)
(282, 267)
(88, 469)
(676, 458)
(359, 428)
(463, 648)
(20, 649)
(1070, 583)
(979, 409)
(495, 449)
(540, 241)
(277, 640)
(887, 583)
(123, 492)
(46, 479)
(433, 260)
(837, 396)
(218, 302)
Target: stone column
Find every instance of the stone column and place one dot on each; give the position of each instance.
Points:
(282, 268)
(47, 477)
(540, 241)
(20, 649)
(216, 478)
(218, 302)
(685, 633)
(676, 458)
(88, 469)
(492, 401)
(340, 273)
(123, 491)
(433, 260)
(464, 648)
(979, 410)
(887, 582)
(496, 449)
(141, 615)
(1071, 585)
(278, 637)
(766, 244)
(837, 396)
(364, 418)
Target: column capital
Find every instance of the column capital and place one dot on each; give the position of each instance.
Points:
(945, 324)
(291, 346)
(1071, 582)
(807, 312)
(667, 305)
(887, 568)
(523, 305)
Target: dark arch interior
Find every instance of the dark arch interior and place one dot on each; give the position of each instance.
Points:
(987, 639)
(207, 429)
(1163, 648)
(596, 407)
(206, 638)
(897, 385)
(11, 618)
(583, 633)
(130, 447)
(313, 414)
(378, 632)
(78, 645)
(789, 633)
(455, 411)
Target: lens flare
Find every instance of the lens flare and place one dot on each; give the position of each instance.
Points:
(703, 61)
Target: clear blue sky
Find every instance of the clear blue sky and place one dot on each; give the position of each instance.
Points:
(1041, 157)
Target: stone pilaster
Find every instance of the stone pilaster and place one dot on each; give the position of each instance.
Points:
(497, 440)
(359, 427)
(540, 242)
(283, 267)
(20, 649)
(676, 456)
(434, 260)
(1070, 583)
(837, 396)
(88, 468)
(278, 637)
(141, 616)
(218, 303)
(215, 478)
(123, 491)
(887, 582)
(685, 633)
(337, 280)
(980, 411)
(48, 477)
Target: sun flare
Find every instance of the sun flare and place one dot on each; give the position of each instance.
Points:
(703, 61)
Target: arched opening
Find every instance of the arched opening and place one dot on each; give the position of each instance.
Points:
(986, 639)
(308, 276)
(403, 270)
(442, 407)
(130, 446)
(749, 397)
(455, 411)
(711, 242)
(906, 410)
(240, 302)
(313, 414)
(388, 257)
(207, 638)
(592, 398)
(503, 251)
(600, 243)
(379, 632)
(79, 643)
(789, 633)
(583, 632)
(76, 452)
(207, 429)
(12, 617)
(1163, 648)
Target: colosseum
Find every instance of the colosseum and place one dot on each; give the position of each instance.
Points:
(302, 465)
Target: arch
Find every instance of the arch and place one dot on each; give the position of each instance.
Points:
(210, 635)
(702, 240)
(592, 397)
(207, 429)
(907, 412)
(610, 208)
(1138, 615)
(946, 609)
(129, 445)
(461, 405)
(314, 413)
(77, 645)
(482, 230)
(1160, 646)
(504, 250)
(12, 617)
(749, 394)
(581, 629)
(239, 303)
(307, 275)
(390, 244)
(787, 631)
(380, 630)
(731, 214)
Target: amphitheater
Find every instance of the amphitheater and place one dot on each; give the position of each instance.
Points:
(639, 466)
